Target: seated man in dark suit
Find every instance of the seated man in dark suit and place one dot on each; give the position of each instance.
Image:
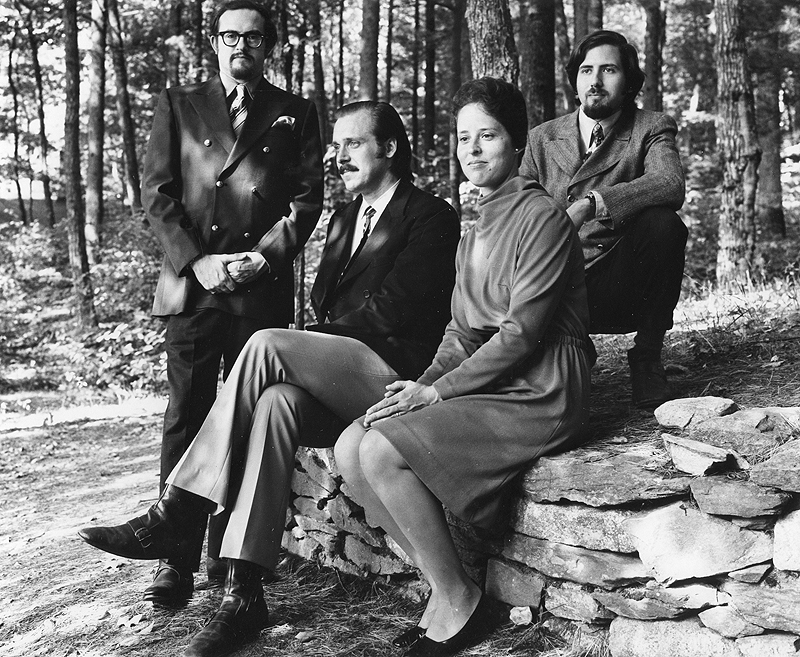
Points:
(615, 169)
(382, 301)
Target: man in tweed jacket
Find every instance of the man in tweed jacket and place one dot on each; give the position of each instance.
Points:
(616, 171)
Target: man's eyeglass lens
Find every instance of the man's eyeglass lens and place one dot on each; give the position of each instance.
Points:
(251, 39)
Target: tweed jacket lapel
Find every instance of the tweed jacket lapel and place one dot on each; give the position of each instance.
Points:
(564, 150)
(610, 151)
(209, 103)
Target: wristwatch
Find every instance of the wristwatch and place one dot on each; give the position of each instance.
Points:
(590, 197)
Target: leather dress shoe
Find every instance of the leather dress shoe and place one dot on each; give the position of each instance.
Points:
(242, 614)
(172, 586)
(167, 531)
(216, 571)
(478, 625)
(649, 385)
(409, 637)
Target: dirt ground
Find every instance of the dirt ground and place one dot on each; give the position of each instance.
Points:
(61, 598)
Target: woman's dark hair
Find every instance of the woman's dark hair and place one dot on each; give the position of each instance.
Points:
(386, 124)
(634, 76)
(501, 100)
(270, 32)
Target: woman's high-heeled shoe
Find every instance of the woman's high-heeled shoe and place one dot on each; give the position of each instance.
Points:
(409, 637)
(477, 626)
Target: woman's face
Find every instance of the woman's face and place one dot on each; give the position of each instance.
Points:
(485, 150)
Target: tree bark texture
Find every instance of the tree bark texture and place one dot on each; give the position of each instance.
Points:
(458, 10)
(387, 92)
(368, 70)
(174, 50)
(79, 263)
(198, 72)
(738, 146)
(653, 49)
(537, 65)
(567, 102)
(581, 13)
(12, 86)
(594, 16)
(491, 36)
(133, 191)
(415, 83)
(320, 97)
(96, 130)
(429, 108)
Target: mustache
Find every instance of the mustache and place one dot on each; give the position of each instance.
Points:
(344, 168)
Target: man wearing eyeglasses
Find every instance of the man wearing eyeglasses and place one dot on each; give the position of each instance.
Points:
(233, 187)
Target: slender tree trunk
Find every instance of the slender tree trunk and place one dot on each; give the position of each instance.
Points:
(653, 48)
(458, 9)
(300, 260)
(198, 41)
(368, 72)
(340, 61)
(594, 15)
(537, 54)
(300, 55)
(96, 127)
(389, 44)
(491, 36)
(320, 98)
(12, 86)
(174, 56)
(415, 84)
(131, 164)
(79, 263)
(567, 93)
(581, 12)
(429, 109)
(738, 144)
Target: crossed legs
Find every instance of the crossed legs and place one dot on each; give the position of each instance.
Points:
(397, 500)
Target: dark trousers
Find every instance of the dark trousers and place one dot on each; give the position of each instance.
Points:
(196, 344)
(636, 286)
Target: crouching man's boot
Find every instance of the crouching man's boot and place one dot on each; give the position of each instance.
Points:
(240, 617)
(167, 531)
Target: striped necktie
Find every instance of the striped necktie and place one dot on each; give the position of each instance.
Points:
(238, 109)
(368, 214)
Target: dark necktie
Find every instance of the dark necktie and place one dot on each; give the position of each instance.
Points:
(238, 110)
(368, 214)
(597, 136)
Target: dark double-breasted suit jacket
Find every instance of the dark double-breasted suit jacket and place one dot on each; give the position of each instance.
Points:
(636, 167)
(395, 296)
(205, 191)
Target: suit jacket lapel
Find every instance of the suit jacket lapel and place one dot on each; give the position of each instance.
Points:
(209, 103)
(260, 116)
(337, 252)
(610, 151)
(565, 148)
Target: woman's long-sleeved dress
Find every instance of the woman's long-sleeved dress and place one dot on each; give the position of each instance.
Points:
(513, 366)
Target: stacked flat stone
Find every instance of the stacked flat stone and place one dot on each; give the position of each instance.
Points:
(686, 545)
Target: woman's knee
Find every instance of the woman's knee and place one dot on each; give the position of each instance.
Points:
(346, 449)
(378, 457)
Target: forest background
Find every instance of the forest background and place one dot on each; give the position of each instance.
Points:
(80, 78)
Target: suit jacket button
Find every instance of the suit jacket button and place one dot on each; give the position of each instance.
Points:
(366, 294)
(600, 246)
(254, 190)
(207, 142)
(219, 183)
(246, 235)
(215, 227)
(570, 199)
(265, 149)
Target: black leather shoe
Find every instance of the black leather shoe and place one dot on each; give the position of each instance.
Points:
(478, 626)
(172, 586)
(649, 385)
(216, 571)
(167, 531)
(241, 615)
(409, 637)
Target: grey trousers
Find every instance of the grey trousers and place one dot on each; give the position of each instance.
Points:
(287, 388)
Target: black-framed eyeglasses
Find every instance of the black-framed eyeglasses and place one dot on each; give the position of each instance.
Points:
(251, 39)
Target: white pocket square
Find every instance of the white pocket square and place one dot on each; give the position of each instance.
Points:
(284, 120)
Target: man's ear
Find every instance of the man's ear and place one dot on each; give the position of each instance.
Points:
(213, 39)
(391, 147)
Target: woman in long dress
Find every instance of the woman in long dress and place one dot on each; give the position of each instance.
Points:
(509, 382)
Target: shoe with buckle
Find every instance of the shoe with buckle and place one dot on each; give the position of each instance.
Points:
(172, 586)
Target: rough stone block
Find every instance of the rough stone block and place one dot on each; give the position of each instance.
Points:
(736, 497)
(781, 470)
(604, 477)
(582, 638)
(678, 413)
(751, 574)
(698, 458)
(305, 486)
(774, 604)
(371, 560)
(756, 523)
(667, 638)
(728, 622)
(606, 569)
(574, 602)
(310, 525)
(309, 507)
(350, 517)
(753, 433)
(787, 542)
(678, 542)
(769, 645)
(790, 415)
(573, 524)
(656, 602)
(308, 460)
(513, 583)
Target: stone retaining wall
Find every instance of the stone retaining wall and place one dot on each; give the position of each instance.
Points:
(682, 545)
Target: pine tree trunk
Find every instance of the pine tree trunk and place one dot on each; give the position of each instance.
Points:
(653, 47)
(198, 41)
(387, 92)
(320, 98)
(456, 54)
(368, 72)
(96, 127)
(415, 84)
(133, 191)
(537, 58)
(567, 93)
(491, 36)
(594, 15)
(429, 109)
(79, 263)
(738, 145)
(175, 29)
(581, 13)
(12, 86)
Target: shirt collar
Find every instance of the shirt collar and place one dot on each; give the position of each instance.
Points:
(586, 125)
(379, 204)
(229, 84)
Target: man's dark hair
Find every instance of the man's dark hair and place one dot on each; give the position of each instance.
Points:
(270, 32)
(634, 76)
(386, 124)
(501, 100)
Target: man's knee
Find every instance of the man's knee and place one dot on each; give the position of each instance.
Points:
(662, 227)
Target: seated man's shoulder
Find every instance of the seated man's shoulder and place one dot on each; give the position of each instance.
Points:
(420, 198)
